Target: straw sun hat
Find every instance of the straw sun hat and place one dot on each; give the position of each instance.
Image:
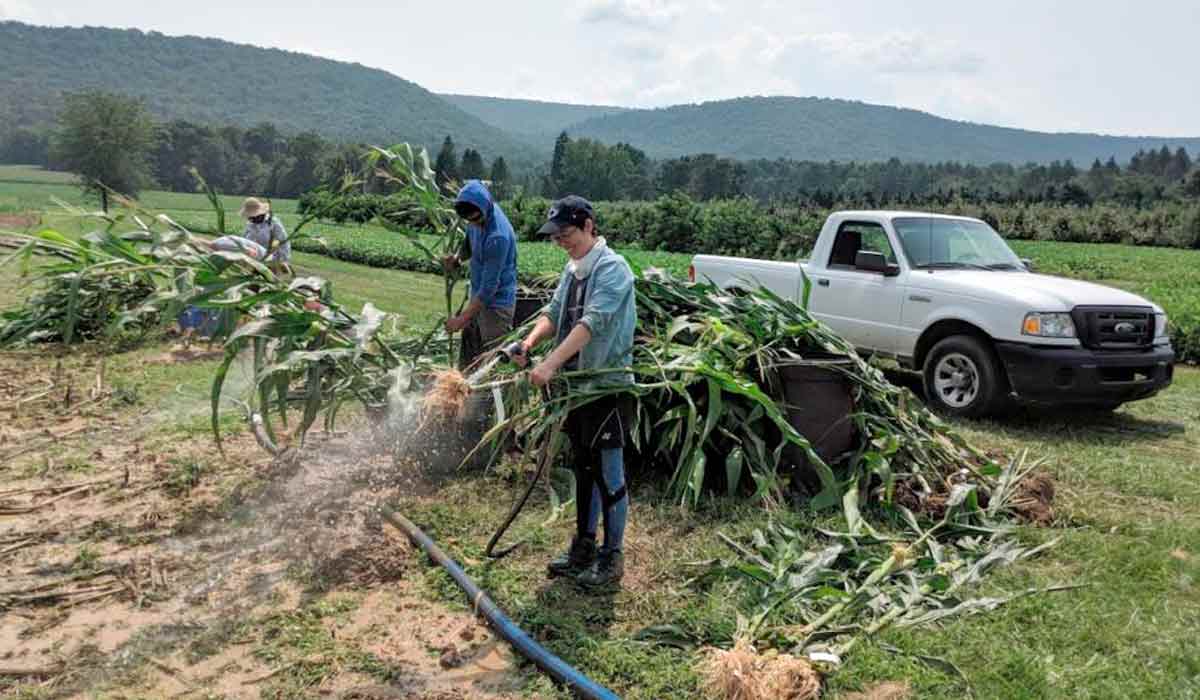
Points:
(253, 207)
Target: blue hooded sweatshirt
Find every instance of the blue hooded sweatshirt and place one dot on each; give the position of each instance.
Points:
(493, 250)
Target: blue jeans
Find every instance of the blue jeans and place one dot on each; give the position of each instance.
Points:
(590, 501)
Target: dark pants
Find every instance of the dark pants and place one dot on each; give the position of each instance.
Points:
(482, 332)
(598, 433)
(480, 335)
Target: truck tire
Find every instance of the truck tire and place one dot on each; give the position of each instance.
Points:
(963, 378)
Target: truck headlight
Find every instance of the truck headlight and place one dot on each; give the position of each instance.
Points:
(1160, 325)
(1048, 325)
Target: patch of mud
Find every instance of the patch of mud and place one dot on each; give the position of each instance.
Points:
(450, 654)
(932, 505)
(360, 558)
(1032, 503)
(198, 550)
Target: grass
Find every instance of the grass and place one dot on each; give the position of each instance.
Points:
(1128, 513)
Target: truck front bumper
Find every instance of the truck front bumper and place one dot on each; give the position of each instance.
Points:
(1051, 375)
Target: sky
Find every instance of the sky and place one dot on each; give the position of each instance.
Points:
(1071, 65)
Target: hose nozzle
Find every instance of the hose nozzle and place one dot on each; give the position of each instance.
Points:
(511, 351)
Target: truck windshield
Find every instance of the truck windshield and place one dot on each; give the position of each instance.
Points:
(947, 243)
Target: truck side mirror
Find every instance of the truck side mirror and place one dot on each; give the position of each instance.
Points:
(1028, 264)
(872, 261)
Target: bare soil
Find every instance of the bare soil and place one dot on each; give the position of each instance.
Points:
(17, 222)
(142, 566)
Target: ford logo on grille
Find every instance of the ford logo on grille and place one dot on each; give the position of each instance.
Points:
(1125, 328)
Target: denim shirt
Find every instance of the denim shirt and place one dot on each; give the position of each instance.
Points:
(264, 233)
(609, 312)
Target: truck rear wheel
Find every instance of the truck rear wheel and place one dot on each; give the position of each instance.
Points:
(963, 377)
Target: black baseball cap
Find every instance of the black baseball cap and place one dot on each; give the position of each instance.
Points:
(571, 210)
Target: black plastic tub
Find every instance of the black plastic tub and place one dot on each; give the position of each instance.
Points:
(818, 402)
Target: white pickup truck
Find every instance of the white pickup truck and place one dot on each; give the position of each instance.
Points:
(946, 295)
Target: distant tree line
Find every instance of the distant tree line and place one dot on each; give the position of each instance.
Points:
(622, 171)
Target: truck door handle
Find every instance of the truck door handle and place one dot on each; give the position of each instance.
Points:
(823, 283)
(914, 297)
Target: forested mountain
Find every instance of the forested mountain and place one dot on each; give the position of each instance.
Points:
(215, 82)
(537, 122)
(820, 129)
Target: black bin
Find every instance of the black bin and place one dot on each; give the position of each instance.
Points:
(818, 402)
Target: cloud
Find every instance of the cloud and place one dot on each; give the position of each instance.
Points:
(17, 10)
(891, 53)
(889, 68)
(639, 14)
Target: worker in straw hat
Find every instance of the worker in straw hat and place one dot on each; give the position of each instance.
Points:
(267, 230)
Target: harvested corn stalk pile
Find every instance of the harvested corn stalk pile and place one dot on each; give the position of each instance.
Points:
(709, 410)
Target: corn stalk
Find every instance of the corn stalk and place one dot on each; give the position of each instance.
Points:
(410, 170)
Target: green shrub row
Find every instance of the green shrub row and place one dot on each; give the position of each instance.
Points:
(744, 226)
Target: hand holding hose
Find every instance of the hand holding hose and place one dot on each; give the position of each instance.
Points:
(515, 353)
(542, 373)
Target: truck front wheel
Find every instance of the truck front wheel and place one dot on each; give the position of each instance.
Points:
(963, 377)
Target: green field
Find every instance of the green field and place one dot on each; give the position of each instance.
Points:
(1127, 513)
(1168, 276)
(29, 188)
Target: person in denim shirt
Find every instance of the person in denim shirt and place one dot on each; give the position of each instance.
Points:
(591, 318)
(491, 246)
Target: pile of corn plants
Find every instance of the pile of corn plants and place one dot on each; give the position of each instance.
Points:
(134, 272)
(706, 411)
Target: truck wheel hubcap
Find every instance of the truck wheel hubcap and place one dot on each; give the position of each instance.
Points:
(956, 380)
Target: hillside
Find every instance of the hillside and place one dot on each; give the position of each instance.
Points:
(537, 122)
(217, 82)
(820, 129)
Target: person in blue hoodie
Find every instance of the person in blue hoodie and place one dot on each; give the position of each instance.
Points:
(491, 246)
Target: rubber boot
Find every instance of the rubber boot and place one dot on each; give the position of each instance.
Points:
(606, 570)
(576, 559)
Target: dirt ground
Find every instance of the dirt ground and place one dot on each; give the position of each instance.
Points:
(138, 562)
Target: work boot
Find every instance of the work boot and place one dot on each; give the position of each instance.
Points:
(576, 559)
(606, 570)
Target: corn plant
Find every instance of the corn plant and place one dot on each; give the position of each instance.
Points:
(410, 169)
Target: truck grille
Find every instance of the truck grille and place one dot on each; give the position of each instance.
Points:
(1114, 327)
